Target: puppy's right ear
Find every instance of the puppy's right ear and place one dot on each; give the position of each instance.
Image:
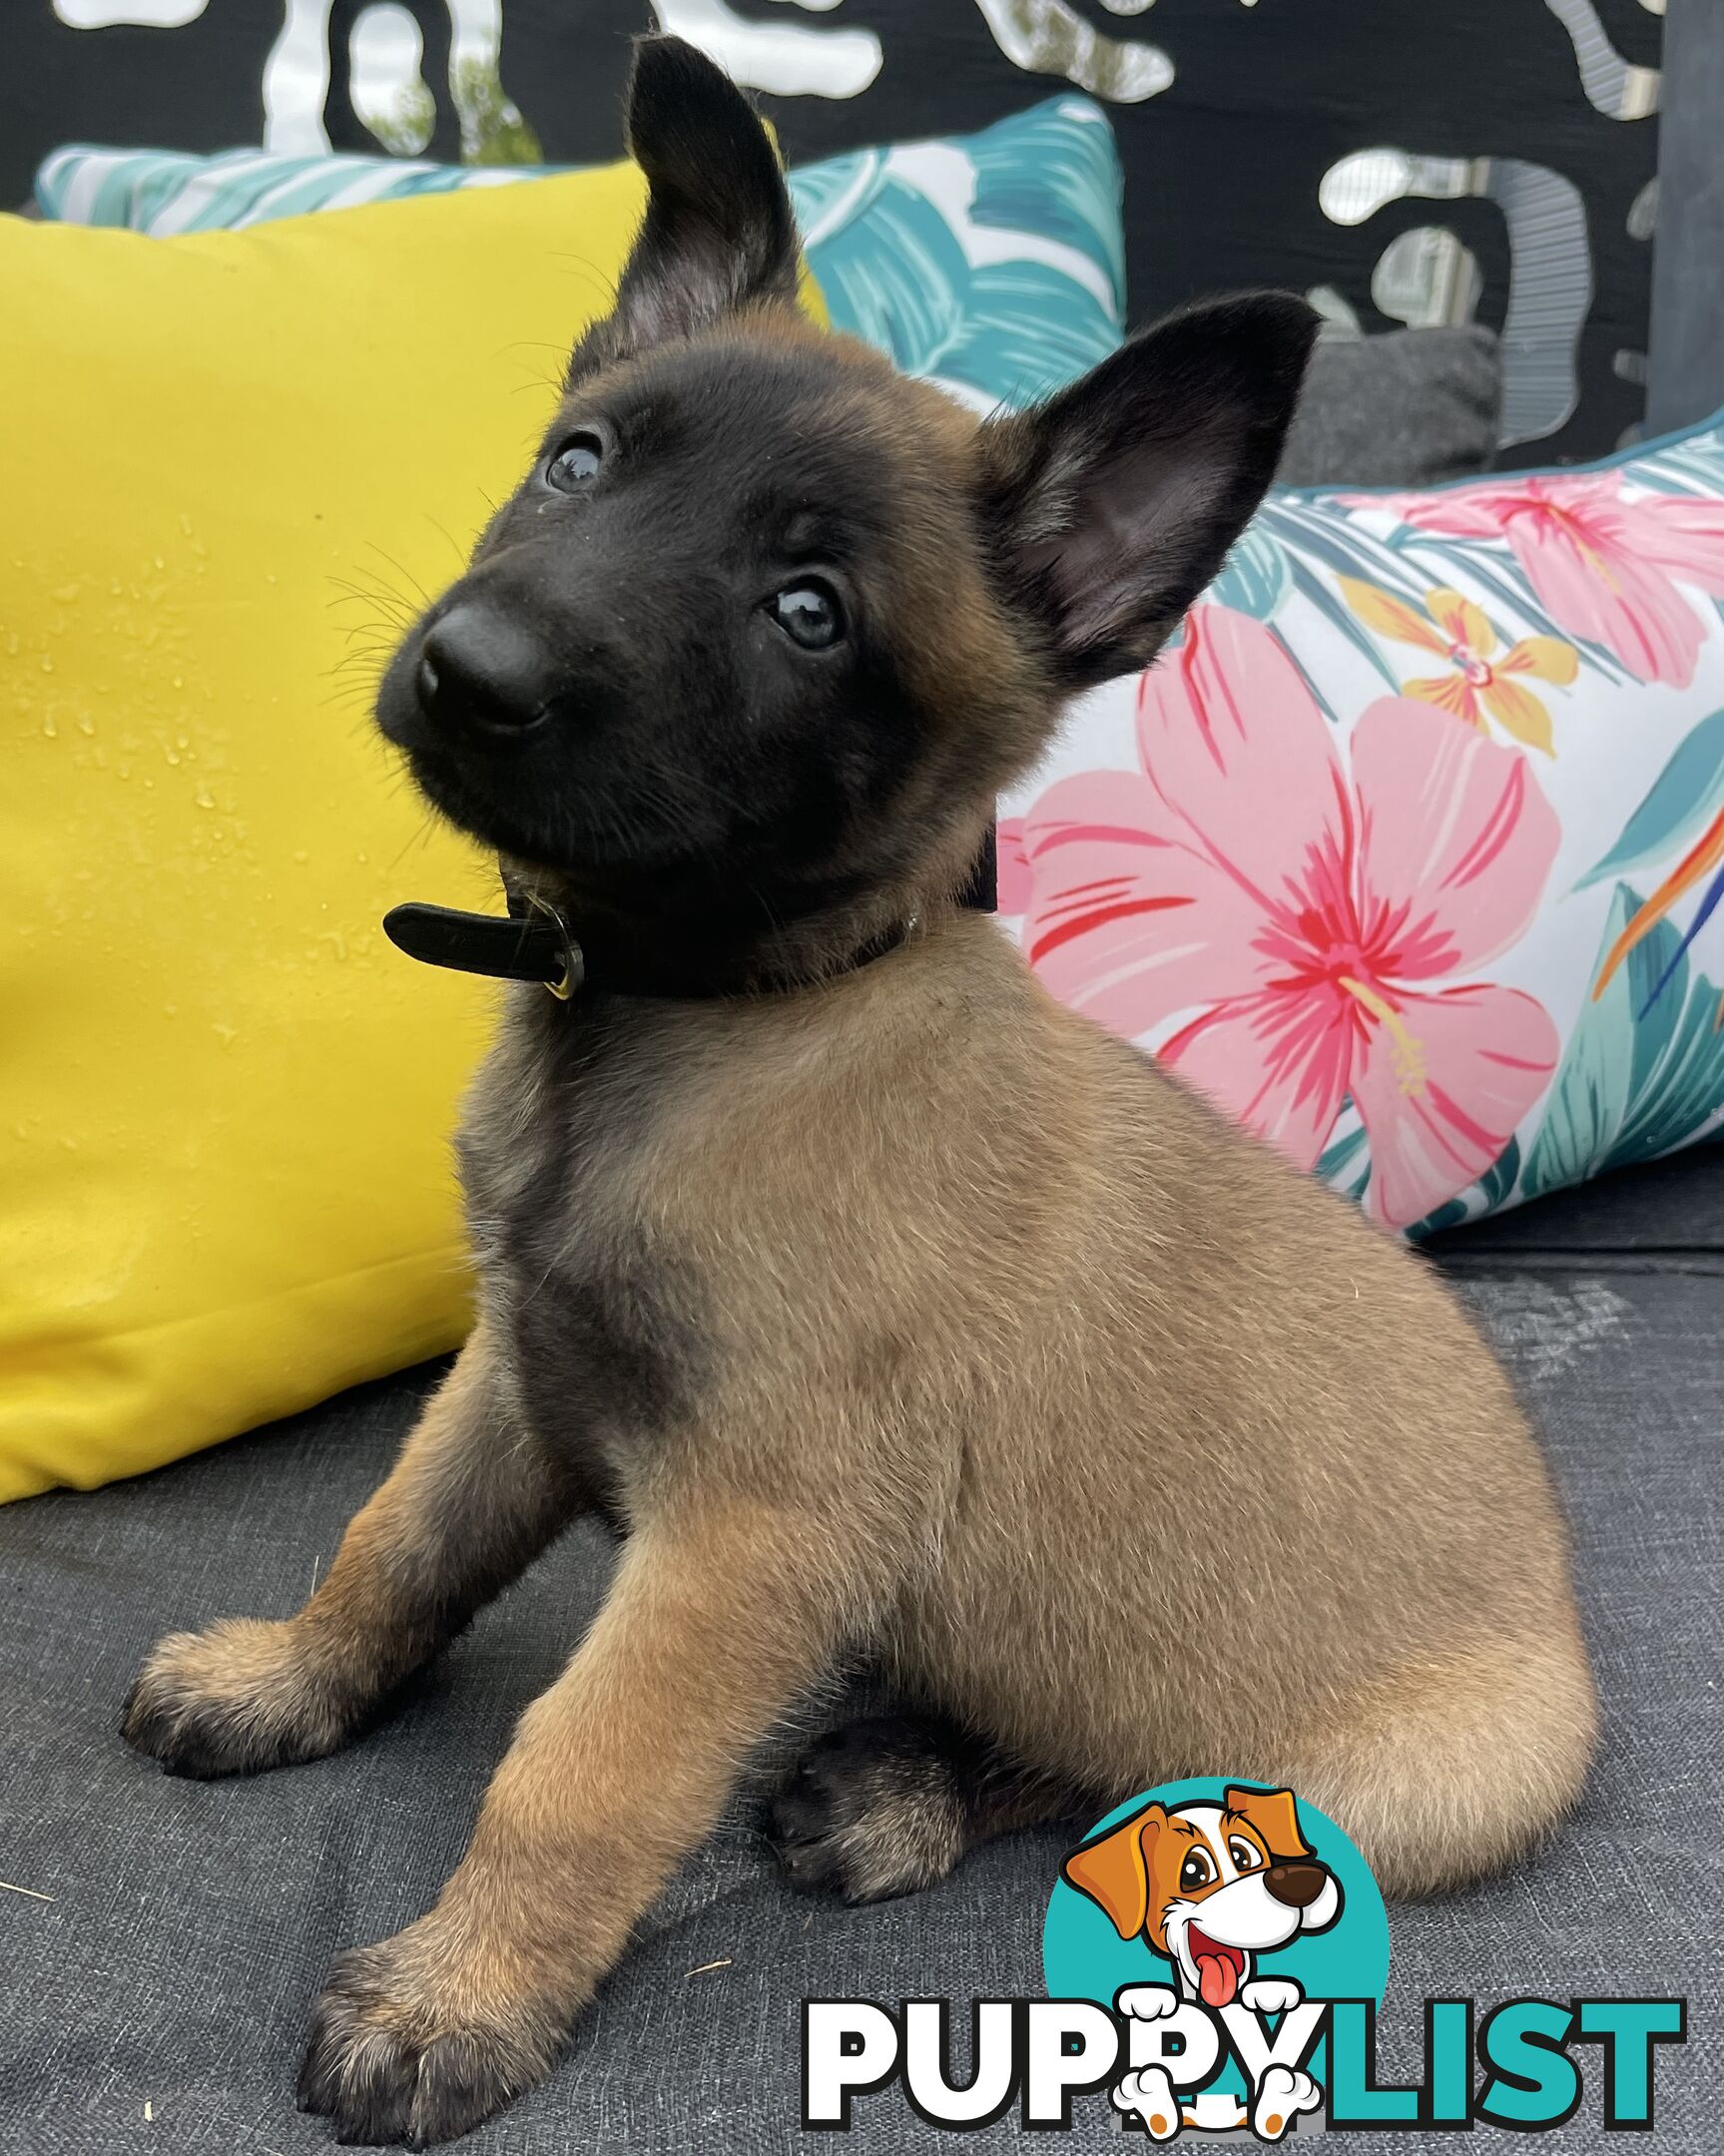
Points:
(718, 231)
(1114, 1871)
(1274, 1815)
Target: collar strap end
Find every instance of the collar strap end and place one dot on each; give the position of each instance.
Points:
(539, 947)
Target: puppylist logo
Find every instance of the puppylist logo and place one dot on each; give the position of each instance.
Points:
(1216, 1955)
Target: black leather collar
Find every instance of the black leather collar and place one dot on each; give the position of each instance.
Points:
(539, 944)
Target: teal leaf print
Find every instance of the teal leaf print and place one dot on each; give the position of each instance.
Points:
(1694, 466)
(1344, 548)
(832, 193)
(1682, 799)
(1640, 1076)
(1024, 331)
(1493, 1187)
(895, 277)
(1342, 551)
(1340, 1153)
(1255, 577)
(1339, 617)
(1054, 171)
(991, 262)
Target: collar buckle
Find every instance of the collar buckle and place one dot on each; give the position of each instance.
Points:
(569, 983)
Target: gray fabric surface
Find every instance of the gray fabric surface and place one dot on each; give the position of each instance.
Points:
(190, 1923)
(1403, 409)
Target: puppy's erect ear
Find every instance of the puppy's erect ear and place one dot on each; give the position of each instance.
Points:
(1274, 1815)
(718, 231)
(1114, 1871)
(1110, 507)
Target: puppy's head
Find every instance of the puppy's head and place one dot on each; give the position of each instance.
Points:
(767, 625)
(1210, 1886)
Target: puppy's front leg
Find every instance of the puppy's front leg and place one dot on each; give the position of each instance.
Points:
(471, 1500)
(716, 1620)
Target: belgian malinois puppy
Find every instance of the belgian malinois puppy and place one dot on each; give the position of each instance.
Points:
(887, 1305)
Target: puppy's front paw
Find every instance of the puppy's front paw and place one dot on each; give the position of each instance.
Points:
(1146, 2002)
(236, 1698)
(1282, 2095)
(1272, 1995)
(409, 2045)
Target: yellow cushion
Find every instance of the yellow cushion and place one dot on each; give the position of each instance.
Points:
(232, 461)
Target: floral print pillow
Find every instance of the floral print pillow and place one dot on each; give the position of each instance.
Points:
(1410, 852)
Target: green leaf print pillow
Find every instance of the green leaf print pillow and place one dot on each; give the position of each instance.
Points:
(1409, 853)
(992, 263)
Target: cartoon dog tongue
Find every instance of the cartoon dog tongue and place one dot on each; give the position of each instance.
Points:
(1217, 1978)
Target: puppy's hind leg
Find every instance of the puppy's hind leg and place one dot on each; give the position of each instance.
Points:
(471, 1502)
(889, 1805)
(1455, 1769)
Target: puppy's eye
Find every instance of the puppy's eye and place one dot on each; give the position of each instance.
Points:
(1244, 1856)
(1197, 1871)
(576, 462)
(809, 614)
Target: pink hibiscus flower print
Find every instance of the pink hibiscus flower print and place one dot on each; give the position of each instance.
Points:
(1306, 913)
(1602, 566)
(1012, 881)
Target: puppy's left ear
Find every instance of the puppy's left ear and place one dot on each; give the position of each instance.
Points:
(1114, 1870)
(719, 231)
(1109, 509)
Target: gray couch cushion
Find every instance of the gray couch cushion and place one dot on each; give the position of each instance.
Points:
(1403, 409)
(1669, 1214)
(158, 2002)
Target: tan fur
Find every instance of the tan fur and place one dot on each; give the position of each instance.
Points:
(979, 1277)
(984, 1276)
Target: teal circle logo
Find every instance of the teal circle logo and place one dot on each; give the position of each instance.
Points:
(1207, 1913)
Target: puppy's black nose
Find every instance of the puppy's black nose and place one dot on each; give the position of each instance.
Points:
(481, 670)
(1298, 1884)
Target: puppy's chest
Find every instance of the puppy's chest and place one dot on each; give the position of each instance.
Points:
(597, 1313)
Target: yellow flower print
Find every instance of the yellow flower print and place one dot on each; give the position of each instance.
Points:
(1480, 682)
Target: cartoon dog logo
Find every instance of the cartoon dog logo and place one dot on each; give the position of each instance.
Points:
(1211, 1887)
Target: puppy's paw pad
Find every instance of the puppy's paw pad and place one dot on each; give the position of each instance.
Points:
(390, 2060)
(1148, 2096)
(874, 1811)
(239, 1698)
